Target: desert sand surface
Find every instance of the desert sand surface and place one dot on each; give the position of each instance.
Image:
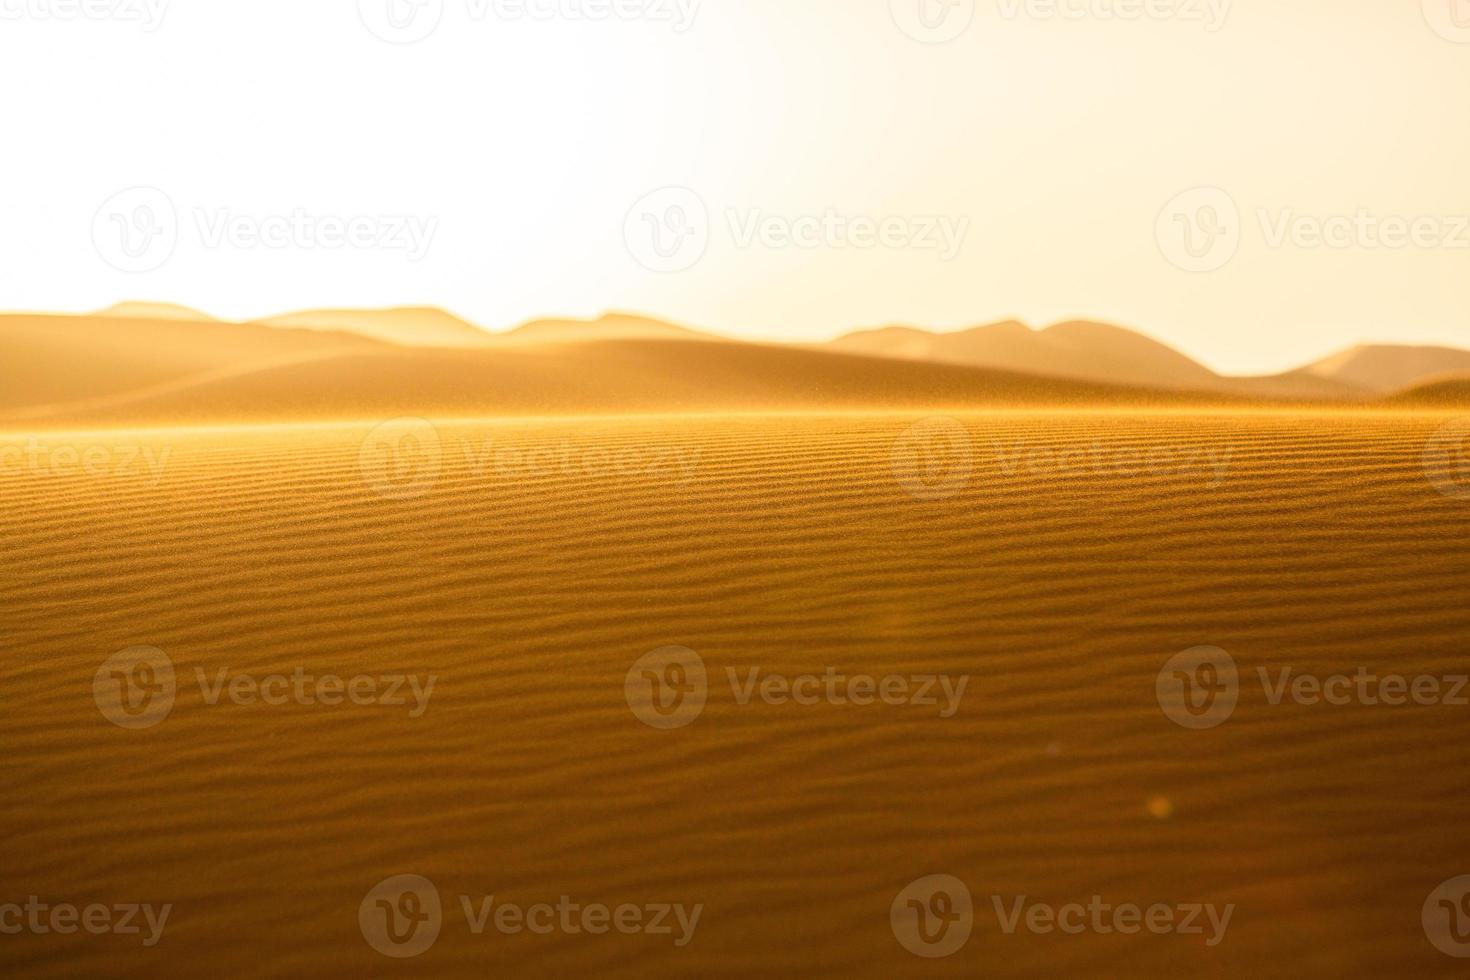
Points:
(1056, 558)
(619, 377)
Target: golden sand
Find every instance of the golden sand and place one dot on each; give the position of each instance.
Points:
(1058, 560)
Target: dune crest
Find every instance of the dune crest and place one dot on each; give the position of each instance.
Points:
(408, 327)
(155, 311)
(1388, 367)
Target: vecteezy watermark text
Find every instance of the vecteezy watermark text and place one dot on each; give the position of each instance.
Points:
(402, 917)
(1210, 14)
(936, 458)
(669, 688)
(139, 230)
(1200, 688)
(403, 459)
(1201, 230)
(136, 688)
(411, 21)
(147, 14)
(47, 457)
(1104, 918)
(669, 230)
(96, 918)
(934, 916)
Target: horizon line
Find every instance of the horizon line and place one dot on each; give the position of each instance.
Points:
(264, 320)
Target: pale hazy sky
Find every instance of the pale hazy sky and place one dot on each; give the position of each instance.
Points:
(501, 161)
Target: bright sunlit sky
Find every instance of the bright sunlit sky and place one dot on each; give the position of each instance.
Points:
(1061, 141)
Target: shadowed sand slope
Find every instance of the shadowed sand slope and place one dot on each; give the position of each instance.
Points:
(148, 363)
(409, 327)
(47, 362)
(155, 311)
(614, 326)
(1096, 352)
(1059, 562)
(616, 376)
(1087, 351)
(1385, 368)
(1450, 393)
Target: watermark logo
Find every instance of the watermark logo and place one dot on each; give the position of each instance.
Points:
(1209, 464)
(139, 230)
(1446, 460)
(831, 229)
(413, 235)
(672, 919)
(135, 688)
(667, 689)
(136, 230)
(668, 230)
(940, 691)
(933, 917)
(309, 690)
(1199, 230)
(1208, 921)
(1210, 13)
(125, 919)
(933, 21)
(1450, 19)
(1199, 688)
(934, 459)
(401, 21)
(411, 21)
(1446, 916)
(401, 459)
(1364, 687)
(120, 460)
(401, 916)
(509, 459)
(148, 14)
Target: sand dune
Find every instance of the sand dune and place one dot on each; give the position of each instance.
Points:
(408, 327)
(598, 378)
(1102, 353)
(1385, 368)
(1449, 393)
(1071, 352)
(614, 326)
(154, 311)
(1059, 572)
(50, 364)
(1087, 351)
(81, 371)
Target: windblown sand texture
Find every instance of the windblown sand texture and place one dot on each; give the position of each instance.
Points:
(1059, 561)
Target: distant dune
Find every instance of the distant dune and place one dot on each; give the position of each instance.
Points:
(72, 363)
(1447, 393)
(159, 363)
(1088, 351)
(1081, 350)
(155, 311)
(592, 378)
(1387, 368)
(409, 327)
(613, 326)
(430, 327)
